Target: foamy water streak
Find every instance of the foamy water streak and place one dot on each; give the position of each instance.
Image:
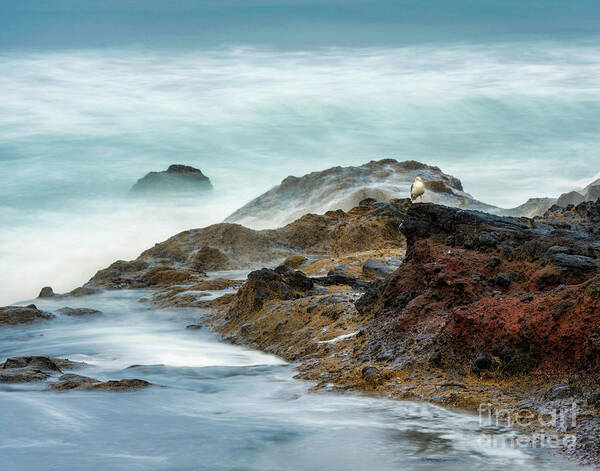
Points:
(216, 406)
(78, 128)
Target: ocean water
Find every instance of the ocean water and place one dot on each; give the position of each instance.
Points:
(216, 406)
(93, 95)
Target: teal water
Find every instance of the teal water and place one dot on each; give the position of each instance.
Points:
(504, 95)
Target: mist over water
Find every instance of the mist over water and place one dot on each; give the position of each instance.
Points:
(80, 123)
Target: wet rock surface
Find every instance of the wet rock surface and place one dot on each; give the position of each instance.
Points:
(70, 382)
(15, 315)
(183, 259)
(79, 311)
(34, 368)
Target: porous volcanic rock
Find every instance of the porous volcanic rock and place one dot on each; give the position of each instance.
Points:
(176, 179)
(446, 291)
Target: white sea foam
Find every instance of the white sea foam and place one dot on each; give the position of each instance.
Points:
(512, 121)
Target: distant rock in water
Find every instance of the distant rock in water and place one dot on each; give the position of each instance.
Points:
(538, 206)
(176, 179)
(572, 197)
(531, 208)
(344, 187)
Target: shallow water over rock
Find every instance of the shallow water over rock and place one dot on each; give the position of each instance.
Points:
(214, 406)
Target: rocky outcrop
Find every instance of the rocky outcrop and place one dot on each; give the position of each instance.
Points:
(520, 290)
(344, 187)
(176, 179)
(183, 259)
(531, 208)
(15, 315)
(538, 206)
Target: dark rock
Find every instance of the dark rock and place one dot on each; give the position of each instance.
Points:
(526, 299)
(15, 315)
(245, 329)
(370, 373)
(71, 381)
(266, 284)
(330, 280)
(176, 179)
(493, 263)
(194, 326)
(502, 280)
(79, 311)
(22, 375)
(84, 291)
(208, 259)
(339, 270)
(574, 262)
(295, 278)
(294, 261)
(560, 391)
(366, 303)
(46, 292)
(35, 362)
(483, 361)
(46, 364)
(375, 269)
(435, 358)
(487, 239)
(593, 399)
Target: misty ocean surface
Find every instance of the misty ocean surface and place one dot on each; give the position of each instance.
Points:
(504, 95)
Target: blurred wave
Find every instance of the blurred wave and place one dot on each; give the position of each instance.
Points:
(78, 128)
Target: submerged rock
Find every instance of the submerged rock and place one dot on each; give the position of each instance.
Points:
(15, 315)
(176, 179)
(22, 375)
(42, 363)
(34, 368)
(71, 381)
(79, 311)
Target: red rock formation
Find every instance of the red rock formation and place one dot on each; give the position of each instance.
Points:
(525, 292)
